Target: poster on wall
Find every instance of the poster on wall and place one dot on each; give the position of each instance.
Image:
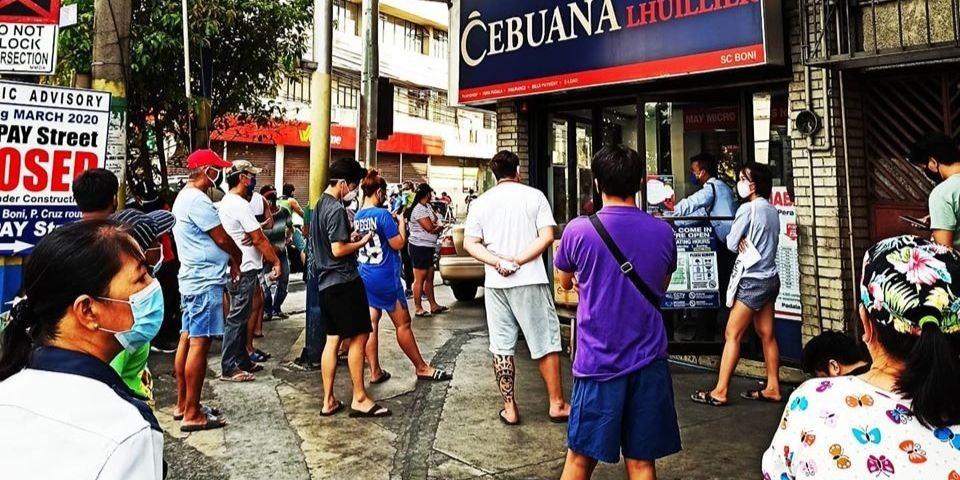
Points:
(48, 136)
(661, 195)
(787, 305)
(695, 284)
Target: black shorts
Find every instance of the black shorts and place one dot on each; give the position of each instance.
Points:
(345, 309)
(421, 257)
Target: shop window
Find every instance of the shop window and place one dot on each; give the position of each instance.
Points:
(402, 34)
(771, 135)
(346, 17)
(558, 171)
(297, 88)
(439, 46)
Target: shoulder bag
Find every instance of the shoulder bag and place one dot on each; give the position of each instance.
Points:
(747, 258)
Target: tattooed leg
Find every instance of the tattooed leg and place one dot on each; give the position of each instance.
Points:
(505, 369)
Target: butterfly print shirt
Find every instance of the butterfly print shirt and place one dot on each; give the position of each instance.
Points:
(844, 428)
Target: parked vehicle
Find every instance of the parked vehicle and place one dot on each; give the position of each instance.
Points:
(463, 273)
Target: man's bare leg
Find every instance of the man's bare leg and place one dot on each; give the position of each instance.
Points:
(550, 371)
(640, 469)
(328, 371)
(179, 372)
(195, 372)
(577, 466)
(506, 370)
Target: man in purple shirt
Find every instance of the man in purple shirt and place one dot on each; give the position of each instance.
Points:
(622, 393)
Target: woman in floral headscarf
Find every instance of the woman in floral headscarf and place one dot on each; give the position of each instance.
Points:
(901, 419)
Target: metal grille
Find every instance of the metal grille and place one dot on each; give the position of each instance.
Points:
(898, 110)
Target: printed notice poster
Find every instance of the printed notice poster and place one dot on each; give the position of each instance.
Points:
(787, 305)
(660, 194)
(695, 284)
(48, 136)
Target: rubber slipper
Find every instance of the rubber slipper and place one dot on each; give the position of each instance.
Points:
(440, 310)
(507, 422)
(252, 368)
(212, 423)
(384, 376)
(239, 376)
(758, 396)
(438, 376)
(703, 397)
(257, 357)
(560, 419)
(423, 314)
(204, 410)
(333, 412)
(376, 411)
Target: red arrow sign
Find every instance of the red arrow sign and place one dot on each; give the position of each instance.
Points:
(30, 11)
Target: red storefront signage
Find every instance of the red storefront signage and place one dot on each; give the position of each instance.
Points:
(722, 118)
(341, 138)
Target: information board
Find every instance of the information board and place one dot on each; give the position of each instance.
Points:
(695, 284)
(48, 136)
(788, 263)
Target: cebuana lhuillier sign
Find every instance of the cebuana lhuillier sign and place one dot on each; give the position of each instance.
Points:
(502, 49)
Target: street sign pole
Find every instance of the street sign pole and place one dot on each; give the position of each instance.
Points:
(367, 140)
(111, 57)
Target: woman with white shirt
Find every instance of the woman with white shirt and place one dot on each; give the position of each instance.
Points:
(64, 412)
(755, 233)
(900, 419)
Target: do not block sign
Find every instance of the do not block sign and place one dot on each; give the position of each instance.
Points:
(28, 36)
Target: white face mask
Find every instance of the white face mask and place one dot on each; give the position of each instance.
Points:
(743, 188)
(350, 196)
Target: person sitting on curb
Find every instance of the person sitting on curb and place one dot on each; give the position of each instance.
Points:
(833, 354)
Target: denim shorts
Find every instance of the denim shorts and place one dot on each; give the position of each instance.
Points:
(202, 313)
(757, 292)
(633, 414)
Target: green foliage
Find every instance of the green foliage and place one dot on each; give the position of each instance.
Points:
(250, 44)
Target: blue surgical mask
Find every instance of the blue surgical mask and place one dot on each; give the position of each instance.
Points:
(693, 179)
(147, 308)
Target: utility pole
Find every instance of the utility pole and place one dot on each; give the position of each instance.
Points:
(367, 139)
(111, 62)
(320, 99)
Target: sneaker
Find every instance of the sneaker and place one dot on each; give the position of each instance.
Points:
(300, 366)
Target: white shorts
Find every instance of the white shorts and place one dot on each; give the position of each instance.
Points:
(528, 308)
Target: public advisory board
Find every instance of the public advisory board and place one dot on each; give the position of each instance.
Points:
(48, 136)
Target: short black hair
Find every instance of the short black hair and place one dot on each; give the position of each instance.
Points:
(95, 190)
(937, 145)
(348, 170)
(707, 162)
(505, 164)
(288, 189)
(761, 177)
(617, 170)
(830, 345)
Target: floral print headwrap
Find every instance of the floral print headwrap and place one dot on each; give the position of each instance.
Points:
(909, 282)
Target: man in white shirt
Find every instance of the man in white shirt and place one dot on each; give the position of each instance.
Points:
(238, 220)
(508, 228)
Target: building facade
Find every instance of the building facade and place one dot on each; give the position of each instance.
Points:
(829, 95)
(432, 141)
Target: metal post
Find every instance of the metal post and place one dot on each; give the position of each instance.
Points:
(111, 62)
(367, 138)
(320, 98)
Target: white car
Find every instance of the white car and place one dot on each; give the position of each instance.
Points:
(463, 273)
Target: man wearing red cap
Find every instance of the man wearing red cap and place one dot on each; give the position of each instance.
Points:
(205, 251)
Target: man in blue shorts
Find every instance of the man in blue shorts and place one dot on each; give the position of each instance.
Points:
(622, 392)
(205, 251)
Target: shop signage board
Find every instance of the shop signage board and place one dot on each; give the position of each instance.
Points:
(508, 49)
(787, 305)
(695, 284)
(28, 36)
(48, 136)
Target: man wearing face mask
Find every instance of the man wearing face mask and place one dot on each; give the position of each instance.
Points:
(239, 221)
(939, 158)
(205, 251)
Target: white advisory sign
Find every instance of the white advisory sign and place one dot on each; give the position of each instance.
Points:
(28, 48)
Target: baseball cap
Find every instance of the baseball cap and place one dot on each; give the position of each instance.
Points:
(145, 228)
(205, 158)
(244, 166)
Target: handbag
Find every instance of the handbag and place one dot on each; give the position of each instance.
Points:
(745, 259)
(625, 266)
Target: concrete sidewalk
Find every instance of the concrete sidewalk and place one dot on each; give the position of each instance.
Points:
(438, 431)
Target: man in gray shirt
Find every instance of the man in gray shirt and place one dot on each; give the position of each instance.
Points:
(343, 298)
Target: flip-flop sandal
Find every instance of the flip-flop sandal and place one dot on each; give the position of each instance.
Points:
(703, 397)
(438, 376)
(204, 410)
(212, 423)
(423, 314)
(252, 368)
(504, 419)
(239, 376)
(758, 396)
(263, 354)
(440, 310)
(384, 376)
(333, 412)
(376, 411)
(257, 357)
(560, 419)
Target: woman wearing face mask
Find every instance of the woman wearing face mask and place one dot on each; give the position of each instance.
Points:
(380, 269)
(425, 226)
(755, 235)
(64, 412)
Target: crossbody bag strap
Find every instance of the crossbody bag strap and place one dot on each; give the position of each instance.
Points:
(625, 266)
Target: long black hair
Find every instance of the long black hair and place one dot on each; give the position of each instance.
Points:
(77, 259)
(423, 191)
